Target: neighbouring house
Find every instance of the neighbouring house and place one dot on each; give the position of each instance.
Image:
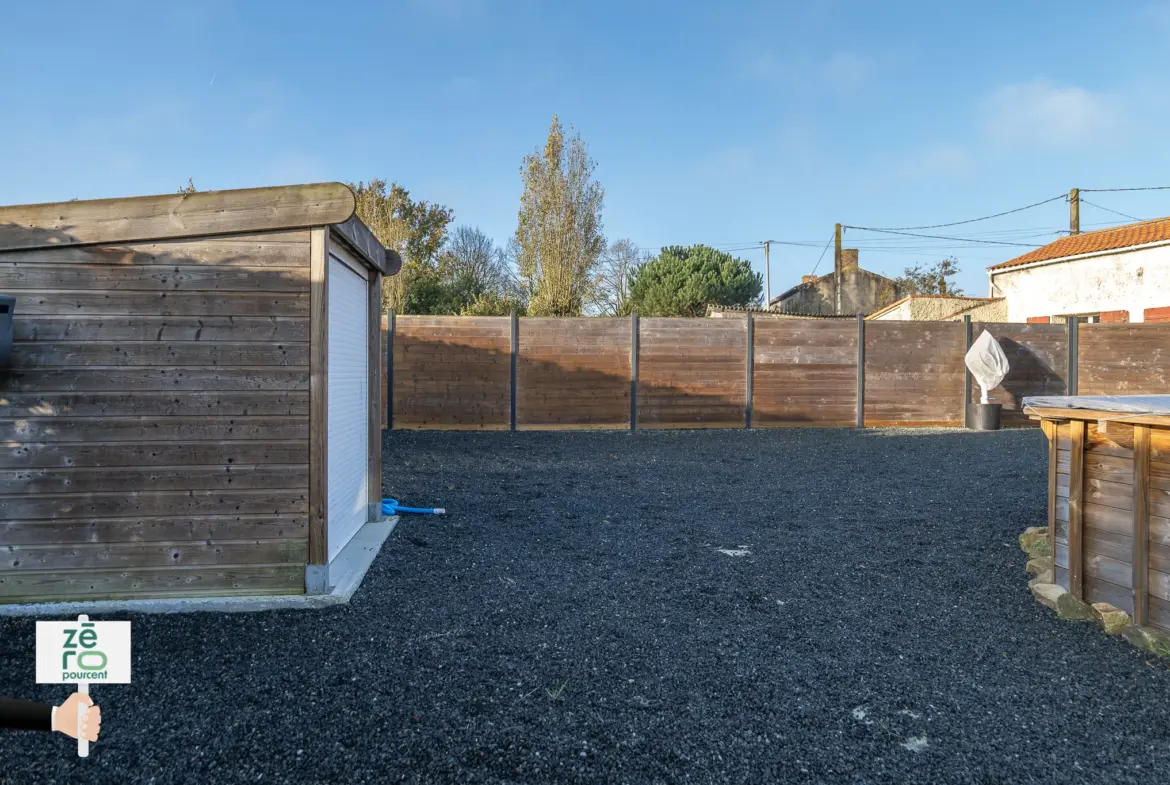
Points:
(993, 309)
(726, 312)
(1110, 275)
(847, 291)
(927, 308)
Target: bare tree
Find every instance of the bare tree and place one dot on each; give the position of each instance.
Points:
(472, 259)
(558, 237)
(611, 288)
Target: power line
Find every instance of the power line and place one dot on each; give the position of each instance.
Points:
(1115, 190)
(970, 220)
(939, 237)
(1108, 210)
(818, 264)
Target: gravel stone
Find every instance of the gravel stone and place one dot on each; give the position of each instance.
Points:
(576, 618)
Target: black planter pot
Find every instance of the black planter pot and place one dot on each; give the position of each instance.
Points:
(985, 416)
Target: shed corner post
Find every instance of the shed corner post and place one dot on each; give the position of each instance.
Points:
(515, 343)
(1141, 524)
(750, 369)
(317, 567)
(634, 371)
(1073, 355)
(860, 370)
(375, 388)
(966, 371)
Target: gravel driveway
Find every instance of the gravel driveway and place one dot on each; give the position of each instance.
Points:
(759, 606)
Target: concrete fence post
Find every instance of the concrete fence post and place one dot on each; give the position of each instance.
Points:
(966, 372)
(1073, 355)
(749, 369)
(515, 343)
(860, 370)
(633, 372)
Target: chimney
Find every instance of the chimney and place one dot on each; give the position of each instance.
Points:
(809, 279)
(848, 259)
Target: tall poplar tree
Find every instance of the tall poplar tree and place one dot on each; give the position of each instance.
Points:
(558, 238)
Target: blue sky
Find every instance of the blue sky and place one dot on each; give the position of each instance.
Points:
(720, 123)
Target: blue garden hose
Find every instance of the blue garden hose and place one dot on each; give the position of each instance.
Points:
(391, 507)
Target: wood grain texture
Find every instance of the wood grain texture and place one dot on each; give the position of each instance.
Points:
(805, 372)
(159, 393)
(117, 584)
(573, 372)
(94, 355)
(104, 221)
(914, 372)
(67, 327)
(159, 529)
(691, 372)
(29, 455)
(34, 558)
(1140, 561)
(318, 490)
(1124, 359)
(155, 404)
(452, 372)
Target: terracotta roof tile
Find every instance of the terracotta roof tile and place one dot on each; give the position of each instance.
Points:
(1118, 237)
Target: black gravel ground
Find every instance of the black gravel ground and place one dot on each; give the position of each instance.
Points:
(581, 616)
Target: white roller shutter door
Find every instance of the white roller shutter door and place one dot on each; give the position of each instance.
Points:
(348, 422)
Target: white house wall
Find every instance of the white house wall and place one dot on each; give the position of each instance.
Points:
(1132, 282)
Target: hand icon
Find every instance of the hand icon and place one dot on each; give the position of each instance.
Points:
(65, 718)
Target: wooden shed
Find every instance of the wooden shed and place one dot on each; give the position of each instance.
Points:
(193, 402)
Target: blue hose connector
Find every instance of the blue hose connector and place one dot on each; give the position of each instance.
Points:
(391, 507)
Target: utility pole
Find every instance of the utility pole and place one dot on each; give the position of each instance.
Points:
(1074, 211)
(767, 277)
(837, 269)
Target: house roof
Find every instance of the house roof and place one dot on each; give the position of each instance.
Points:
(799, 286)
(781, 314)
(187, 215)
(1116, 238)
(975, 301)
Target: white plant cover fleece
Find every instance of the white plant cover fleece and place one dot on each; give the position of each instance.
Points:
(987, 363)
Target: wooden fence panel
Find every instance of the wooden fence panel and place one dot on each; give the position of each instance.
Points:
(452, 372)
(573, 373)
(1123, 359)
(692, 373)
(914, 373)
(1038, 365)
(805, 372)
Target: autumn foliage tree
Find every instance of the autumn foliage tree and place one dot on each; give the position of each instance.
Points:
(417, 230)
(559, 237)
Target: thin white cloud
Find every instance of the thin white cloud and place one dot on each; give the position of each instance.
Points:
(1042, 114)
(847, 71)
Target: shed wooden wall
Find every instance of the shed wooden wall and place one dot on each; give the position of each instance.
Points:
(155, 419)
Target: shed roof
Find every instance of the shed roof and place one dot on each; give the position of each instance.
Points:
(957, 297)
(188, 215)
(1114, 239)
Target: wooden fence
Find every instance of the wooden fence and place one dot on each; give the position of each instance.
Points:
(500, 373)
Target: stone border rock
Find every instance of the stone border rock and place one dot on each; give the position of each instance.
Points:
(1113, 620)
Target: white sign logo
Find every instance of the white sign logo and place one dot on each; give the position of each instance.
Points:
(71, 652)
